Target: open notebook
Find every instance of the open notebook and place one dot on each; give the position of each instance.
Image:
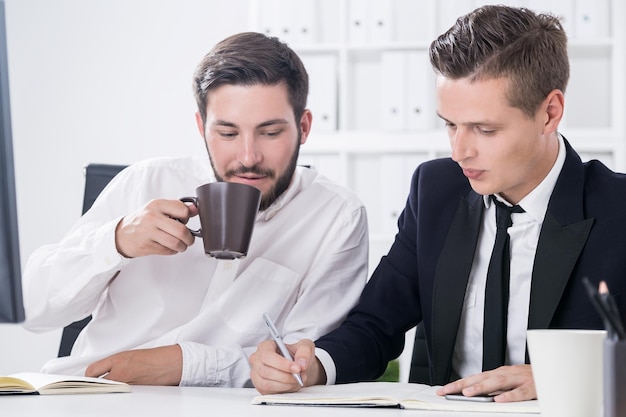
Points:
(41, 383)
(388, 394)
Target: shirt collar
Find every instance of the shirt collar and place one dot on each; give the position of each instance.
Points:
(284, 198)
(536, 202)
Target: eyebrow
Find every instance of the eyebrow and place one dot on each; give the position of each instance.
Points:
(263, 124)
(442, 118)
(479, 123)
(274, 122)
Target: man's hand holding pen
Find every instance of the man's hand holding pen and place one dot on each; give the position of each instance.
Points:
(272, 373)
(278, 338)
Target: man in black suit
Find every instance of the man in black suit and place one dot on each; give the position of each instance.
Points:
(501, 78)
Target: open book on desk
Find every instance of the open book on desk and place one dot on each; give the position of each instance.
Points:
(388, 394)
(41, 383)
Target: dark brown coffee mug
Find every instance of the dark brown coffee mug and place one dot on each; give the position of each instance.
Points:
(227, 212)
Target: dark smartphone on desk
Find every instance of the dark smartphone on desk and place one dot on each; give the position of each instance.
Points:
(478, 398)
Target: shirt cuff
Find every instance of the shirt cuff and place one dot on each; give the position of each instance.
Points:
(106, 250)
(214, 366)
(328, 364)
(197, 369)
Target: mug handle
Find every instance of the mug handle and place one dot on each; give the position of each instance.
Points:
(194, 201)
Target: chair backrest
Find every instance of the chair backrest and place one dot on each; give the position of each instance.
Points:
(419, 372)
(97, 176)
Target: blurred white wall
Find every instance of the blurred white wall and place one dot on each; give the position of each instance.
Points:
(97, 81)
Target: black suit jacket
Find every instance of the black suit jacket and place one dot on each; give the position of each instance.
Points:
(425, 273)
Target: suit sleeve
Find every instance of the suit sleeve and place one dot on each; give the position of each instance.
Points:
(374, 331)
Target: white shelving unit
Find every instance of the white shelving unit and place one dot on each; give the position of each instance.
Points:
(372, 90)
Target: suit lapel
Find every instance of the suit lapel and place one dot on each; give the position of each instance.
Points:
(557, 252)
(453, 268)
(563, 235)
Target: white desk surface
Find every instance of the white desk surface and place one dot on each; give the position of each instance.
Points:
(185, 401)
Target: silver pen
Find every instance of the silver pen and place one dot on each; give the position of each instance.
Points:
(281, 345)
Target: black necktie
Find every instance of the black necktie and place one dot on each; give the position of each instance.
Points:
(497, 290)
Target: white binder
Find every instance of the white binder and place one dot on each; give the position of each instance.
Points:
(358, 20)
(305, 21)
(592, 18)
(323, 90)
(393, 75)
(286, 24)
(394, 192)
(381, 21)
(396, 173)
(413, 22)
(269, 17)
(420, 91)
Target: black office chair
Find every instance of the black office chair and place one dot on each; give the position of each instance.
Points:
(97, 176)
(419, 372)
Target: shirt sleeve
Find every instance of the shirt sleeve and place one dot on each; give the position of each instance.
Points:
(63, 282)
(328, 364)
(214, 366)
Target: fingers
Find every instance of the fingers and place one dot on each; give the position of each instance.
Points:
(269, 371)
(110, 367)
(519, 384)
(99, 368)
(272, 373)
(303, 353)
(511, 383)
(192, 211)
(461, 385)
(155, 229)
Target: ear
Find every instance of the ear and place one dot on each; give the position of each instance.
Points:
(200, 124)
(305, 125)
(552, 108)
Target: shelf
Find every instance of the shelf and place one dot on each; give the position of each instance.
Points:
(358, 143)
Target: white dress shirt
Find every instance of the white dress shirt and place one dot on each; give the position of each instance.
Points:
(524, 236)
(306, 267)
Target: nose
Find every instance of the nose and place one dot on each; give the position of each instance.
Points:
(460, 144)
(250, 153)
